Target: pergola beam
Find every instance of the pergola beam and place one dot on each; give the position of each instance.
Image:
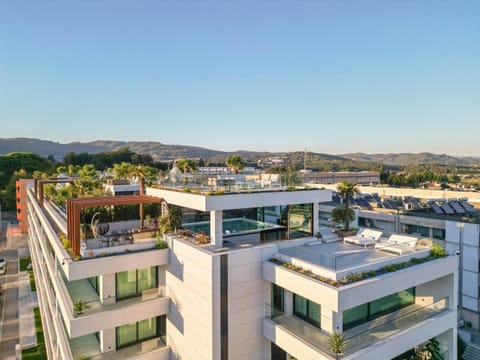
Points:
(75, 206)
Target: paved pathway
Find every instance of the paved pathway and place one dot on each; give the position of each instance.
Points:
(9, 307)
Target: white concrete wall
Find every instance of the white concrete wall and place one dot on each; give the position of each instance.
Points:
(108, 340)
(117, 263)
(193, 282)
(106, 284)
(241, 200)
(248, 293)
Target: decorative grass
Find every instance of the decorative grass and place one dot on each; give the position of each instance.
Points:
(23, 267)
(38, 352)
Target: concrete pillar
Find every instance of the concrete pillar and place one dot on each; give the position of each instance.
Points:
(107, 340)
(330, 321)
(315, 226)
(287, 302)
(106, 288)
(216, 229)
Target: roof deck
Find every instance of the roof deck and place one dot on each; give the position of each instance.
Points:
(337, 260)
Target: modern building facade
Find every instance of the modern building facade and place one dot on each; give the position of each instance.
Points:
(457, 229)
(250, 275)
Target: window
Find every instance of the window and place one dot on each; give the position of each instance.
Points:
(141, 330)
(131, 283)
(374, 309)
(94, 282)
(277, 297)
(300, 220)
(306, 310)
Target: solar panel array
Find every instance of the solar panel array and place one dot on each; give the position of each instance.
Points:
(452, 206)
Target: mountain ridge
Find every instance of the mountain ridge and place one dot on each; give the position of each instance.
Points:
(161, 151)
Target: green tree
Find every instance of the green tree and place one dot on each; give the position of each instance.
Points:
(236, 163)
(186, 165)
(346, 190)
(339, 213)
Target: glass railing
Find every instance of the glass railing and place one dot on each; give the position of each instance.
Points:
(385, 327)
(380, 329)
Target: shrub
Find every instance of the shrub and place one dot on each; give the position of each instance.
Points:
(437, 251)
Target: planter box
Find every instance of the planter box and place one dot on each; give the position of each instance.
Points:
(144, 234)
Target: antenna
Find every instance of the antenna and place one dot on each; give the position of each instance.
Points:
(305, 160)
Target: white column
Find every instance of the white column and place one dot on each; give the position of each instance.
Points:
(287, 302)
(216, 230)
(330, 320)
(107, 340)
(315, 210)
(106, 288)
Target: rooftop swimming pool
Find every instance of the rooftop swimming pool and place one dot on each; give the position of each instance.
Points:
(233, 226)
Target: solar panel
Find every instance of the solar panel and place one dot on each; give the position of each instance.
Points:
(376, 198)
(387, 206)
(447, 208)
(456, 206)
(467, 206)
(436, 209)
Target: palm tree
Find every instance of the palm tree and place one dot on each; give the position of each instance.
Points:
(236, 163)
(140, 172)
(346, 190)
(186, 165)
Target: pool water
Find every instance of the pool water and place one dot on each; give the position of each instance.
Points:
(231, 226)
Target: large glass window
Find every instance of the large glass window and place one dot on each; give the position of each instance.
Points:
(306, 309)
(300, 220)
(126, 334)
(132, 282)
(142, 330)
(374, 309)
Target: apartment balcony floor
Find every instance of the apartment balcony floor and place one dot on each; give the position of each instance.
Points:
(83, 290)
(90, 346)
(361, 336)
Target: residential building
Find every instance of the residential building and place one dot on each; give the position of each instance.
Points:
(453, 223)
(251, 274)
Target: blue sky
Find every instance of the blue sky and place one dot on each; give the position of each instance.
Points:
(329, 76)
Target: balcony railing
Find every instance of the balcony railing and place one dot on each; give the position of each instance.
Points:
(383, 327)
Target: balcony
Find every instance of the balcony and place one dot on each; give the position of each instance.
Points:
(360, 337)
(89, 345)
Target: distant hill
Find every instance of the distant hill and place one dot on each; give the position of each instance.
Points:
(163, 152)
(410, 158)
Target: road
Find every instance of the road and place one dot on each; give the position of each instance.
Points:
(9, 305)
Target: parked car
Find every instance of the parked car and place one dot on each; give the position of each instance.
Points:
(3, 265)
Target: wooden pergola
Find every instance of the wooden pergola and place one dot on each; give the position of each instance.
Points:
(75, 205)
(39, 182)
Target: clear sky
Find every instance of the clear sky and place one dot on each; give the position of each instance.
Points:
(331, 76)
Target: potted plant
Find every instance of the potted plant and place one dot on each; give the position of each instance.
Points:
(337, 343)
(80, 306)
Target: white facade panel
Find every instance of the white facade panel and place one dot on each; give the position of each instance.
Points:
(470, 303)
(471, 234)
(470, 258)
(452, 232)
(470, 283)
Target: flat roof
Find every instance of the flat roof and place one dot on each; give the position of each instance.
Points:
(336, 255)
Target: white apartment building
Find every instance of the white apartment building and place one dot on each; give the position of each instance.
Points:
(458, 232)
(247, 277)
